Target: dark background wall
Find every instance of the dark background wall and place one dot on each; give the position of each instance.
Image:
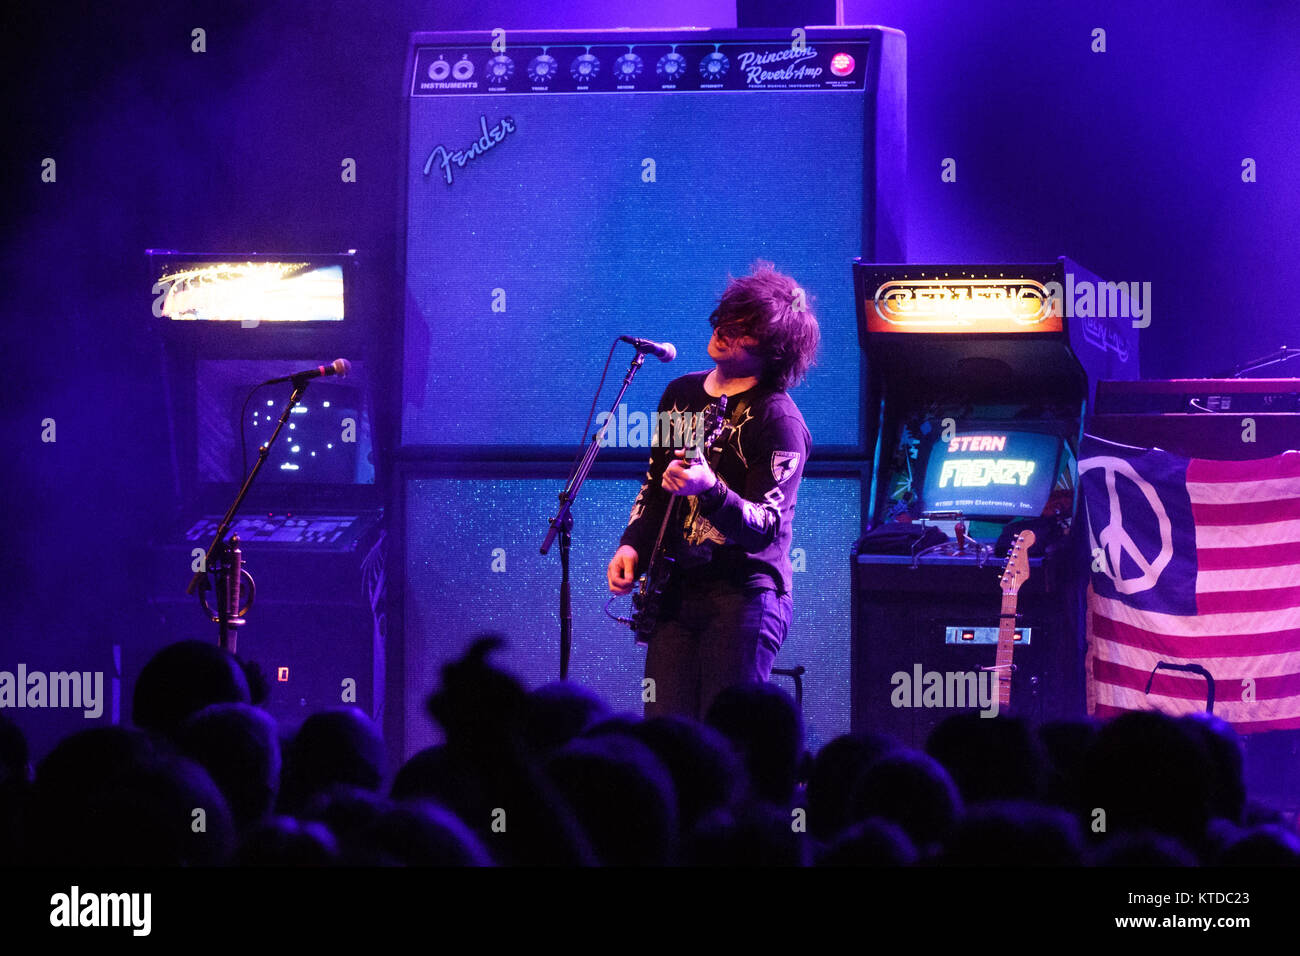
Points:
(1129, 161)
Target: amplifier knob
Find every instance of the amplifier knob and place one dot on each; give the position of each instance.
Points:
(628, 67)
(543, 68)
(671, 66)
(714, 66)
(584, 68)
(500, 68)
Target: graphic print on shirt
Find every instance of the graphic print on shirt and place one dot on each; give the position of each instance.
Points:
(758, 460)
(733, 440)
(784, 464)
(703, 535)
(676, 427)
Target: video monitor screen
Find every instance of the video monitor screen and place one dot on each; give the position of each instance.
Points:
(326, 440)
(990, 461)
(991, 472)
(247, 291)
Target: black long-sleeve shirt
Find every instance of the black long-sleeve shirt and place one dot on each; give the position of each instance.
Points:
(743, 526)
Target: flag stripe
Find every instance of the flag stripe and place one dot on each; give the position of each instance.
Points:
(1248, 579)
(1254, 716)
(1262, 666)
(1200, 625)
(1242, 726)
(1263, 556)
(1193, 648)
(1285, 465)
(1242, 601)
(1194, 686)
(1238, 512)
(1232, 492)
(1234, 536)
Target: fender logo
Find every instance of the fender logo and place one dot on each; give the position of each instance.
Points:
(480, 146)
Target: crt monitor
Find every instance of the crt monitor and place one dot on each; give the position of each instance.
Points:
(990, 472)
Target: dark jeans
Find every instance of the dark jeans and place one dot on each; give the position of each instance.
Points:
(710, 637)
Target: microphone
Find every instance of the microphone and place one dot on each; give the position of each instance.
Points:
(663, 351)
(339, 367)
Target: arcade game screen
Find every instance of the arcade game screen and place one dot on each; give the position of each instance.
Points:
(993, 463)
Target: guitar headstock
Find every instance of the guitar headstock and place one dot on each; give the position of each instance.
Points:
(1016, 571)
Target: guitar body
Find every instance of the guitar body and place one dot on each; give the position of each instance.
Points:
(648, 599)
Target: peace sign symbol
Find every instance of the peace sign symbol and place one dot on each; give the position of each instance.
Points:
(1116, 541)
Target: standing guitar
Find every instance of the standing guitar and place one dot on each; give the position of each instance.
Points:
(649, 595)
(1014, 574)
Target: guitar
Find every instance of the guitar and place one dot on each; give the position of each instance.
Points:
(650, 588)
(1014, 574)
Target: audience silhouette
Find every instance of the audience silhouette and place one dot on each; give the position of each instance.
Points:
(551, 777)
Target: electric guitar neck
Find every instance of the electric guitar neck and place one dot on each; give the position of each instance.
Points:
(1014, 575)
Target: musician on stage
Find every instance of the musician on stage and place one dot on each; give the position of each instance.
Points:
(727, 607)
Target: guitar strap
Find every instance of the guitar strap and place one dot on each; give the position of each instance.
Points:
(643, 620)
(737, 412)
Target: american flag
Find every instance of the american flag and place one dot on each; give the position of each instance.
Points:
(1193, 562)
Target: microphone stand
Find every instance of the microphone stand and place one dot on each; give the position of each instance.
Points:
(227, 564)
(228, 570)
(562, 523)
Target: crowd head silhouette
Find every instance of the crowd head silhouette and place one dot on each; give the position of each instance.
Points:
(550, 777)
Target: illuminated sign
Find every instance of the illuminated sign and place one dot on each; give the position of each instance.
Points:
(991, 471)
(982, 472)
(963, 305)
(250, 292)
(978, 443)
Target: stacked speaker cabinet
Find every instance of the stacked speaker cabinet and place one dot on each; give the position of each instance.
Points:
(563, 189)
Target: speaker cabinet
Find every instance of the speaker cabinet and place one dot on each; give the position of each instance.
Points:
(472, 565)
(909, 624)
